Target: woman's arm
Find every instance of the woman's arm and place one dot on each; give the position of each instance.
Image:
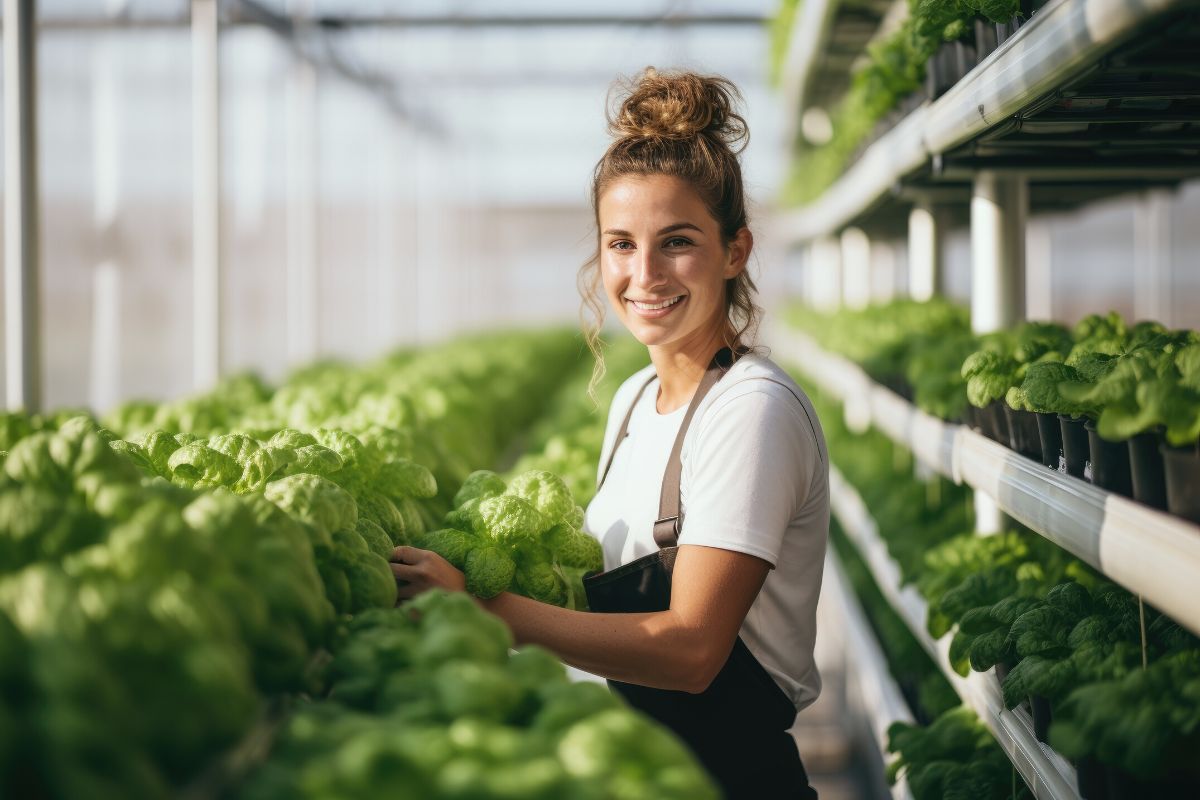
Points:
(682, 648)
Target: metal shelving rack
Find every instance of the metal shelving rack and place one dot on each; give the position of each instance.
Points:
(872, 690)
(1048, 775)
(1150, 553)
(1089, 98)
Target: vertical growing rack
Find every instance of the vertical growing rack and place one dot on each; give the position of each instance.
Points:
(1077, 101)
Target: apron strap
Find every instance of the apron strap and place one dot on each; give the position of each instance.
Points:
(624, 431)
(669, 522)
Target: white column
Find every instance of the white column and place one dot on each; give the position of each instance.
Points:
(22, 256)
(384, 219)
(303, 234)
(925, 253)
(856, 268)
(999, 207)
(1039, 265)
(105, 363)
(883, 271)
(1152, 257)
(825, 266)
(206, 196)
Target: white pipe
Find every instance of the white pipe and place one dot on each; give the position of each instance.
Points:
(22, 256)
(206, 197)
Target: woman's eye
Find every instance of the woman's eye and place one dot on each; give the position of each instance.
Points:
(617, 245)
(682, 241)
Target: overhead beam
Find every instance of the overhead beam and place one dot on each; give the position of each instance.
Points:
(241, 14)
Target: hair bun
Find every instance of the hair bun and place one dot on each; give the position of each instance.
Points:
(679, 105)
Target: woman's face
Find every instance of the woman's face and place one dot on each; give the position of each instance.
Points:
(662, 261)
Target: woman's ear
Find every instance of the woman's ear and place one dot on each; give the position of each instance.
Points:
(739, 253)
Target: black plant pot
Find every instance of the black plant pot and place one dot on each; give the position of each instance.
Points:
(985, 37)
(1146, 470)
(1039, 706)
(970, 417)
(1182, 468)
(995, 424)
(1092, 779)
(1023, 433)
(1110, 462)
(1050, 434)
(1075, 444)
(1175, 784)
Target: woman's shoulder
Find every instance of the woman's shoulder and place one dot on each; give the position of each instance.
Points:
(758, 387)
(757, 373)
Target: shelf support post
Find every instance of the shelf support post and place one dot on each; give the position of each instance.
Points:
(303, 221)
(206, 196)
(999, 208)
(22, 255)
(825, 270)
(925, 253)
(1152, 257)
(856, 268)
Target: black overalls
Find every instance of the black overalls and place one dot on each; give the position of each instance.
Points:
(737, 728)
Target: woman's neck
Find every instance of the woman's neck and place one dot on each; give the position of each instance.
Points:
(681, 366)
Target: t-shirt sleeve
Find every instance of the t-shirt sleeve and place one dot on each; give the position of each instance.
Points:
(748, 472)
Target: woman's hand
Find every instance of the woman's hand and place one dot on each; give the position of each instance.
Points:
(418, 571)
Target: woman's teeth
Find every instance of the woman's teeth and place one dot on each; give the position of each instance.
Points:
(656, 306)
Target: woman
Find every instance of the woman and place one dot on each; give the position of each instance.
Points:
(707, 626)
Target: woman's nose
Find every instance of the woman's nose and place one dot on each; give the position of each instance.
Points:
(649, 270)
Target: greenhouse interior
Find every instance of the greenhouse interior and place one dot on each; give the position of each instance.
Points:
(303, 419)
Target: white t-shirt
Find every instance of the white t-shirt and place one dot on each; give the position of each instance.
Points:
(755, 480)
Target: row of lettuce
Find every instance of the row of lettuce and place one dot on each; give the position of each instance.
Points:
(1040, 385)
(179, 581)
(1122, 705)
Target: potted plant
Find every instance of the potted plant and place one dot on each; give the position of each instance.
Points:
(989, 373)
(1041, 389)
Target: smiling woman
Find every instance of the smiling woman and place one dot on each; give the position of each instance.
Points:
(708, 627)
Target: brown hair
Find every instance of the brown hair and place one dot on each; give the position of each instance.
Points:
(684, 125)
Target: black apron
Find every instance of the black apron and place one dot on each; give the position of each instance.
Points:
(737, 728)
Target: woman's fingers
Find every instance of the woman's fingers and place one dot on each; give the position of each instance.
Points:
(407, 591)
(405, 555)
(406, 572)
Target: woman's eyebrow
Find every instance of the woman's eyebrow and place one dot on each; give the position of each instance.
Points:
(678, 226)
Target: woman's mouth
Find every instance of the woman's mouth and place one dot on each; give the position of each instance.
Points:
(653, 309)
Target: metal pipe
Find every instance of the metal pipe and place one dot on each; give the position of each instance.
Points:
(303, 152)
(206, 197)
(22, 256)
